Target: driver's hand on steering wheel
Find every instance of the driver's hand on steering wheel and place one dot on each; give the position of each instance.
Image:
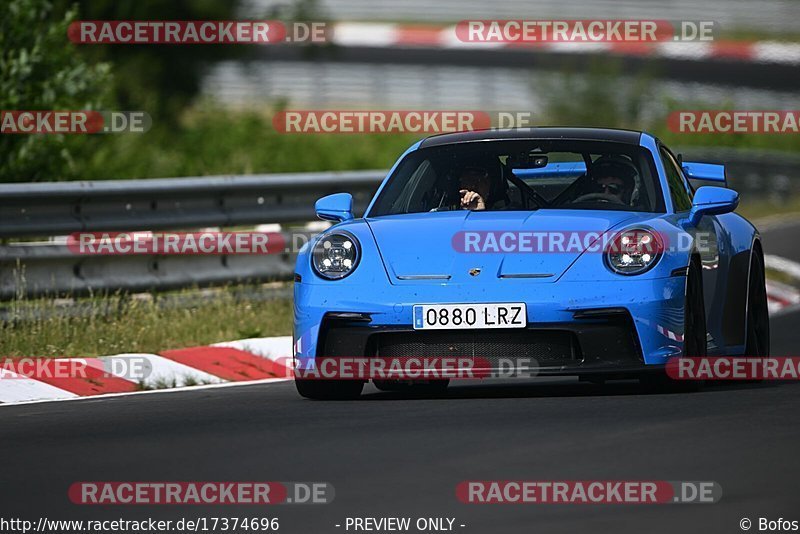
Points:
(471, 200)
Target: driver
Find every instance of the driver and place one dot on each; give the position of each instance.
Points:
(613, 179)
(474, 188)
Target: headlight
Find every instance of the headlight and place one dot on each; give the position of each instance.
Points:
(336, 255)
(634, 251)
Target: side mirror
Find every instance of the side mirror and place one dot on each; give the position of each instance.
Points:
(337, 207)
(710, 200)
(705, 171)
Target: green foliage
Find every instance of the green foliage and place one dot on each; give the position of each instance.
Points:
(220, 141)
(604, 97)
(597, 97)
(159, 79)
(40, 71)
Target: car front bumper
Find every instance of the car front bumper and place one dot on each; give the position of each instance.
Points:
(572, 327)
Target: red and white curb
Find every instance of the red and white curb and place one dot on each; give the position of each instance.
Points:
(782, 297)
(246, 360)
(376, 35)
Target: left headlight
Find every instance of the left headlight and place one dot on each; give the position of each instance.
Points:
(336, 255)
(634, 251)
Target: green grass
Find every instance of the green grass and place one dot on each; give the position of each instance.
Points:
(212, 140)
(763, 208)
(780, 276)
(118, 323)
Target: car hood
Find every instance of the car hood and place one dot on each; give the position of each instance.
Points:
(429, 247)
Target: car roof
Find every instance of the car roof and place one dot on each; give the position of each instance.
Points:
(585, 134)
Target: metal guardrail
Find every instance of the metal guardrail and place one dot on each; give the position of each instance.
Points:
(52, 269)
(56, 209)
(59, 208)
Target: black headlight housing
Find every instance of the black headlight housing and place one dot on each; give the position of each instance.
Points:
(634, 251)
(335, 255)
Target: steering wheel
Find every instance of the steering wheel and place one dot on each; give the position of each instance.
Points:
(598, 197)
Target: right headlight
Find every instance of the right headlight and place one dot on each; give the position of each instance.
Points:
(634, 251)
(336, 255)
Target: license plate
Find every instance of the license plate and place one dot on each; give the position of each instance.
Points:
(467, 316)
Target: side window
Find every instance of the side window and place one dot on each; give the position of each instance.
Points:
(677, 188)
(415, 197)
(687, 185)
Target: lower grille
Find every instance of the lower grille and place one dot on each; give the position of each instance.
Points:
(550, 347)
(589, 342)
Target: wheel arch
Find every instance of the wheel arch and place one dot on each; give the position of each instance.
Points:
(734, 321)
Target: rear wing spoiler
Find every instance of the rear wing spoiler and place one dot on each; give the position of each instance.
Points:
(553, 170)
(709, 172)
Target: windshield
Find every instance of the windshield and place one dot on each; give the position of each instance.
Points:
(523, 175)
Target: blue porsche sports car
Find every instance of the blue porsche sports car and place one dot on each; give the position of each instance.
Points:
(590, 252)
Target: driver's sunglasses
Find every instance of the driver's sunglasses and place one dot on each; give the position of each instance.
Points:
(611, 189)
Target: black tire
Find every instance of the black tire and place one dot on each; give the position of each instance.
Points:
(757, 333)
(694, 314)
(329, 389)
(694, 334)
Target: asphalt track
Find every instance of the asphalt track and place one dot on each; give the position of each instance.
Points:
(392, 456)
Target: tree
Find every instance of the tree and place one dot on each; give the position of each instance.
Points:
(160, 79)
(41, 70)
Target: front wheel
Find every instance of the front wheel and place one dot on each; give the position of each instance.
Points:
(694, 314)
(694, 334)
(329, 389)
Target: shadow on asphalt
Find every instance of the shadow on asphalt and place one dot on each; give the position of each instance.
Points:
(530, 389)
